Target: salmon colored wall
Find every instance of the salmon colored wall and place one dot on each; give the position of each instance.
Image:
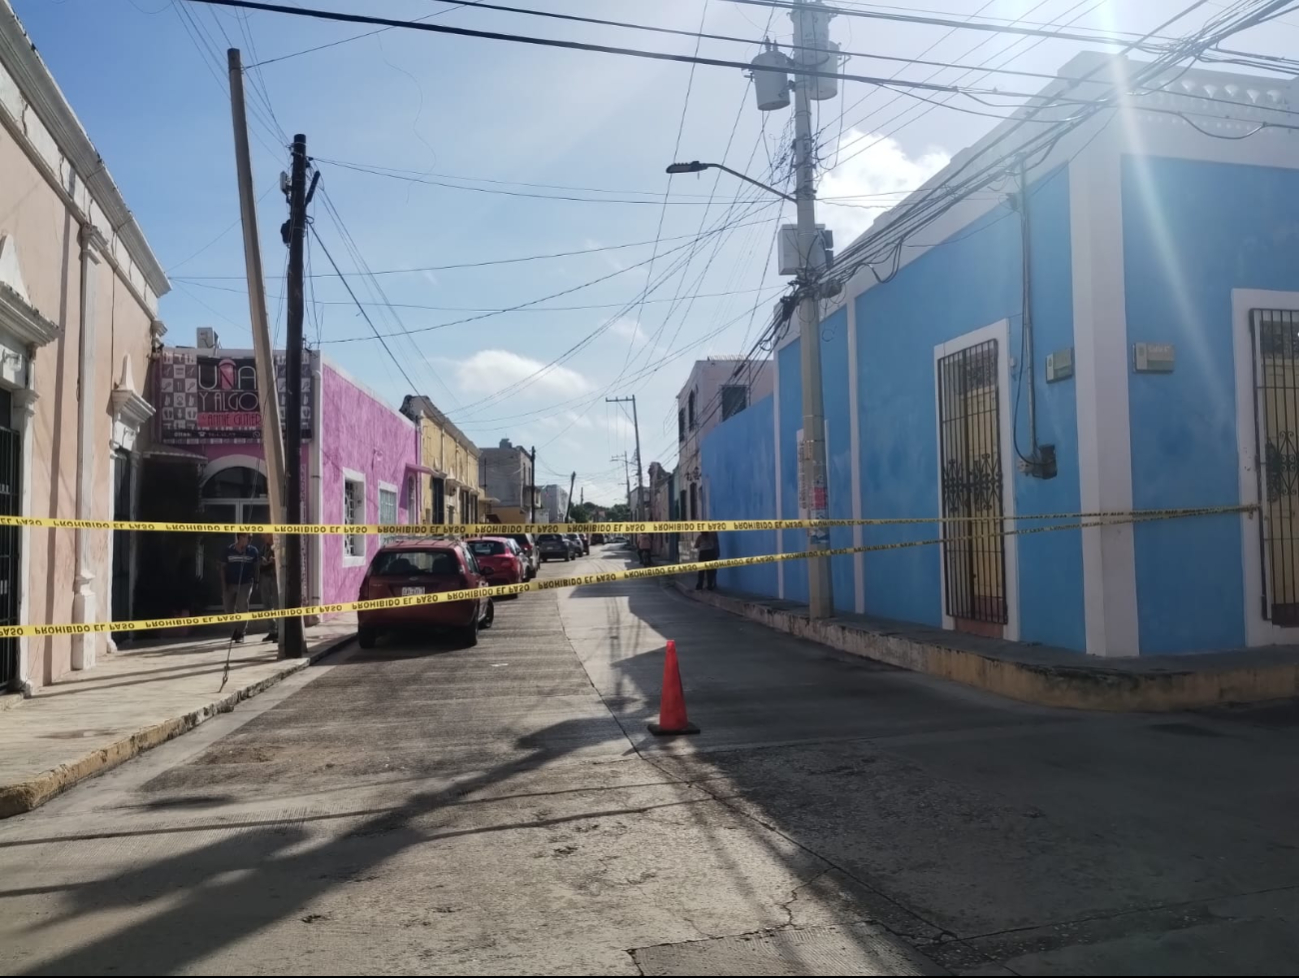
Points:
(45, 235)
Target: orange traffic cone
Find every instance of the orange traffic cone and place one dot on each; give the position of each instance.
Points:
(672, 714)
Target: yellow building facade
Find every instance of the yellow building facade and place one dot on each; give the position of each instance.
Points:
(451, 494)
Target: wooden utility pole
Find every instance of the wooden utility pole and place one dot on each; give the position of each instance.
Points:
(295, 235)
(268, 396)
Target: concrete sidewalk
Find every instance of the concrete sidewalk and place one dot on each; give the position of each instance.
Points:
(134, 700)
(1033, 673)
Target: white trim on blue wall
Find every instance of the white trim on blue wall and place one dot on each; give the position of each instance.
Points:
(780, 495)
(1258, 630)
(1101, 378)
(999, 331)
(854, 436)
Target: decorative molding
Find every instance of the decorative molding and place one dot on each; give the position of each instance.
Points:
(130, 410)
(93, 245)
(11, 272)
(21, 320)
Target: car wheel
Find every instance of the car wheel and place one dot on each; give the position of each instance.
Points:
(469, 634)
(365, 637)
(490, 617)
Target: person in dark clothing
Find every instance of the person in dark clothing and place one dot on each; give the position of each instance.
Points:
(709, 548)
(269, 584)
(239, 573)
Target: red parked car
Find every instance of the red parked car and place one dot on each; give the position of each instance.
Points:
(502, 555)
(412, 567)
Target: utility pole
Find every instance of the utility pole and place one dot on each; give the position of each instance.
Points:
(812, 36)
(268, 390)
(295, 235)
(568, 510)
(532, 501)
(626, 471)
(640, 463)
(813, 51)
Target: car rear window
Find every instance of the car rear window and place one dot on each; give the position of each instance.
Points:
(550, 536)
(395, 563)
(522, 540)
(487, 548)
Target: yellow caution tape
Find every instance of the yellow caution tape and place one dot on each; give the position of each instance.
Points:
(560, 583)
(505, 529)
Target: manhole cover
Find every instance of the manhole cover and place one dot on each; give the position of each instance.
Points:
(854, 950)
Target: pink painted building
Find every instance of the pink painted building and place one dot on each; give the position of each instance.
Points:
(361, 462)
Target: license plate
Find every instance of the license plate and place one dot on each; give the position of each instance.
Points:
(408, 591)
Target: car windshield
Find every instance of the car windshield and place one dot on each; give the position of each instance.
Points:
(487, 548)
(396, 563)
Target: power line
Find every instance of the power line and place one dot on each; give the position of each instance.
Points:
(699, 35)
(494, 261)
(454, 5)
(500, 309)
(315, 13)
(533, 302)
(379, 336)
(590, 337)
(938, 201)
(910, 18)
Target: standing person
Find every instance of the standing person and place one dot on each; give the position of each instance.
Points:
(709, 548)
(270, 587)
(645, 547)
(238, 576)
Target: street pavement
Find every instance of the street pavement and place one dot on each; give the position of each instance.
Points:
(423, 809)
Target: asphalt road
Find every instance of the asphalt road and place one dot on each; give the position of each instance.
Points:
(419, 809)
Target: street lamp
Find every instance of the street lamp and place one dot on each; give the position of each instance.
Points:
(814, 51)
(697, 167)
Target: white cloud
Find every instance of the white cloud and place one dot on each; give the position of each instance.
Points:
(608, 257)
(566, 420)
(629, 329)
(488, 371)
(883, 170)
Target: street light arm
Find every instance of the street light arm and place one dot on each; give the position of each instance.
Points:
(697, 167)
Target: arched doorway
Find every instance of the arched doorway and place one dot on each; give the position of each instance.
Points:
(233, 490)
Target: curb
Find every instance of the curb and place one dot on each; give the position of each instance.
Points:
(1044, 677)
(24, 796)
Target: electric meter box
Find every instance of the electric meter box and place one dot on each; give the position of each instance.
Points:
(791, 261)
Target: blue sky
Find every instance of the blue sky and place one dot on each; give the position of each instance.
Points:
(440, 114)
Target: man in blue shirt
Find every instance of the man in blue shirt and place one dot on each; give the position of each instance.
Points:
(239, 573)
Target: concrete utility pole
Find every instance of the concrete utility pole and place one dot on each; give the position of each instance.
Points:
(640, 462)
(626, 471)
(295, 234)
(268, 397)
(813, 51)
(532, 487)
(812, 252)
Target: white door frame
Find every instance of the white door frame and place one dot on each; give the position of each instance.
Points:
(1258, 630)
(999, 331)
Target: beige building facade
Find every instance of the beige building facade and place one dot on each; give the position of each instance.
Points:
(452, 494)
(79, 290)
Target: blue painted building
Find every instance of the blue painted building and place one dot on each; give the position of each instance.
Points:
(1140, 353)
